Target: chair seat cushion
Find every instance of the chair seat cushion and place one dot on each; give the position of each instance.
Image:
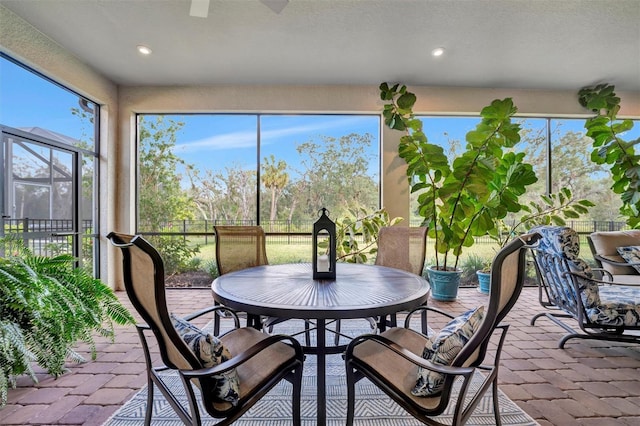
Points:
(394, 370)
(210, 352)
(260, 368)
(619, 306)
(444, 348)
(626, 279)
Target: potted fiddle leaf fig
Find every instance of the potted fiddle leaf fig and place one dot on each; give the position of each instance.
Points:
(464, 196)
(610, 148)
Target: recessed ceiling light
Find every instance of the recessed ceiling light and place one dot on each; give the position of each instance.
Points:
(438, 51)
(144, 50)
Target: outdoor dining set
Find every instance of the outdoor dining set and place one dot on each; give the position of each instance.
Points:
(424, 371)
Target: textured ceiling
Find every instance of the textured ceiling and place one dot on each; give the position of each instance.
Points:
(531, 44)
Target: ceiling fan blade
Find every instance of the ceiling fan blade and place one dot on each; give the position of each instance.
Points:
(275, 5)
(199, 8)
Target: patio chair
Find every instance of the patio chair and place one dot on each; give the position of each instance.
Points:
(569, 289)
(423, 385)
(232, 371)
(403, 248)
(399, 247)
(604, 247)
(239, 247)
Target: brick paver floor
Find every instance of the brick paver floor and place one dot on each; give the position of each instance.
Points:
(588, 383)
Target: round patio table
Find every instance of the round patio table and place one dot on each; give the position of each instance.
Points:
(289, 291)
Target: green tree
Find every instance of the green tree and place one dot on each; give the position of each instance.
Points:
(275, 178)
(227, 195)
(206, 192)
(239, 186)
(572, 170)
(336, 172)
(86, 116)
(86, 113)
(461, 197)
(292, 195)
(161, 199)
(611, 149)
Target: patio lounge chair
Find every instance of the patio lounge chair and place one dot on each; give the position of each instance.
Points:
(569, 289)
(604, 248)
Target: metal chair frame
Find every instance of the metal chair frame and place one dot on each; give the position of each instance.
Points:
(365, 354)
(560, 291)
(175, 354)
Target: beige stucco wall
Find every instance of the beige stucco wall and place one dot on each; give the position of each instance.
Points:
(24, 43)
(119, 105)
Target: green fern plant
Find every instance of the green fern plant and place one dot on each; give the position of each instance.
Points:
(47, 306)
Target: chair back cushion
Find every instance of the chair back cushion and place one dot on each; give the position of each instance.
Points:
(606, 243)
(239, 247)
(210, 352)
(444, 348)
(564, 243)
(402, 247)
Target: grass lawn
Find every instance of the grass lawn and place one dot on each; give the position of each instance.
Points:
(299, 250)
(296, 252)
(276, 253)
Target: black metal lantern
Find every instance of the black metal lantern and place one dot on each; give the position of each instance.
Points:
(324, 251)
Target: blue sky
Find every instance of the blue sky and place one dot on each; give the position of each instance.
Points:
(207, 141)
(231, 138)
(27, 100)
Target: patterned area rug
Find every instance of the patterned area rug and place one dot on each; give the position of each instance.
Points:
(373, 408)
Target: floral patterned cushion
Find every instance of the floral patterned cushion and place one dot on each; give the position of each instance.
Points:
(564, 241)
(620, 306)
(615, 305)
(631, 254)
(210, 352)
(444, 348)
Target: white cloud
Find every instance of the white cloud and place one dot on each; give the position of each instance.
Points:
(247, 139)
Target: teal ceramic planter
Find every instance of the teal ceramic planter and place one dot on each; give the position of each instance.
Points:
(444, 284)
(484, 282)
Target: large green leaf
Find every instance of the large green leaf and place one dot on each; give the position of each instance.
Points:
(609, 147)
(406, 101)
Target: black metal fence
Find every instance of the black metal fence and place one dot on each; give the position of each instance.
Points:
(48, 236)
(278, 231)
(286, 231)
(44, 236)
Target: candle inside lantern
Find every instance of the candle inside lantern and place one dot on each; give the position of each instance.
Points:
(323, 263)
